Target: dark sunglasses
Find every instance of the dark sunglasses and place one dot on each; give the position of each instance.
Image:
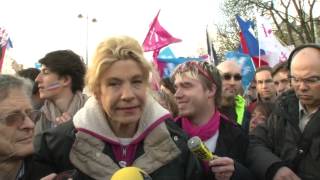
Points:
(228, 76)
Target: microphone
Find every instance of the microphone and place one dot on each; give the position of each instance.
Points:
(52, 86)
(130, 173)
(199, 149)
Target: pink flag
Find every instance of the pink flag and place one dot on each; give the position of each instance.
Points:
(157, 37)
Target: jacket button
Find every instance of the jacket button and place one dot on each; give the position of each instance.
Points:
(300, 151)
(175, 138)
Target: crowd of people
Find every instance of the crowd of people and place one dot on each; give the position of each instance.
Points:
(52, 129)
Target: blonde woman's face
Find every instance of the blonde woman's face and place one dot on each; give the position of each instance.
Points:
(123, 91)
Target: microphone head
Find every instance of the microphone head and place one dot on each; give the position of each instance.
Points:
(130, 173)
(194, 142)
(199, 149)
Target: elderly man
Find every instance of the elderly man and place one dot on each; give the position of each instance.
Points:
(16, 127)
(287, 146)
(233, 105)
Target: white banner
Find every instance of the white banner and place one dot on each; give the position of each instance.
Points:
(275, 51)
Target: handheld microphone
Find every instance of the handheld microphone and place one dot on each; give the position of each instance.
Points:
(52, 86)
(130, 173)
(199, 149)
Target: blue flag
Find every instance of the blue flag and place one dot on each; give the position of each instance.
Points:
(171, 63)
(251, 43)
(247, 66)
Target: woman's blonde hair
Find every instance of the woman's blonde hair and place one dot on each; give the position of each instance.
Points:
(111, 50)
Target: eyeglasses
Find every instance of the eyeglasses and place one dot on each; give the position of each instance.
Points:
(228, 76)
(17, 118)
(307, 81)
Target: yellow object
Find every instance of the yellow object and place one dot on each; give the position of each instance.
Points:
(130, 173)
(199, 149)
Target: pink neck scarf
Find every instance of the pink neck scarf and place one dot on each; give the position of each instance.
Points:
(205, 131)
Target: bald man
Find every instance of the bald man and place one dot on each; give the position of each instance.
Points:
(232, 104)
(287, 146)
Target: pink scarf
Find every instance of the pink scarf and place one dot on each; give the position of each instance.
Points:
(205, 131)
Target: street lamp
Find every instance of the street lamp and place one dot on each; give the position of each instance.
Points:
(80, 16)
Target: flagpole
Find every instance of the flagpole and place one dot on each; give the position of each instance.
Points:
(259, 45)
(209, 49)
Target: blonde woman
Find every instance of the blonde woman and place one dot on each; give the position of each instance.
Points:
(121, 125)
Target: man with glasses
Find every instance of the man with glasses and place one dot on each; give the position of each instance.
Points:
(287, 146)
(16, 127)
(280, 76)
(233, 105)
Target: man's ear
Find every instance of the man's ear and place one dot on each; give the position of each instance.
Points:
(66, 80)
(212, 90)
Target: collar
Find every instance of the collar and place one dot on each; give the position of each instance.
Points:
(91, 120)
(303, 111)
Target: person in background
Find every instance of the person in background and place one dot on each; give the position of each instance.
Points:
(120, 126)
(16, 127)
(233, 105)
(167, 85)
(266, 90)
(260, 114)
(287, 146)
(167, 101)
(60, 84)
(280, 76)
(32, 73)
(165, 96)
(251, 93)
(198, 95)
(265, 86)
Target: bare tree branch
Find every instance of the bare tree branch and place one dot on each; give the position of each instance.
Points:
(294, 28)
(312, 30)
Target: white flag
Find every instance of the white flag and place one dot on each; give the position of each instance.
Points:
(275, 51)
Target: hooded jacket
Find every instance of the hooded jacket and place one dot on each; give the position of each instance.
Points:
(89, 145)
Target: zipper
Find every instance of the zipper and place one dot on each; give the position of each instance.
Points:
(123, 162)
(124, 152)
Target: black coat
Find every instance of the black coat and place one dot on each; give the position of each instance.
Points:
(232, 142)
(275, 144)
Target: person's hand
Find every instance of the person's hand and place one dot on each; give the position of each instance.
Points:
(49, 177)
(222, 167)
(284, 173)
(63, 118)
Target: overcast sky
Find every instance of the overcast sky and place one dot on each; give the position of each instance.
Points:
(37, 27)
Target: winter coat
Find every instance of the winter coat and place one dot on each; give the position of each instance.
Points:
(276, 143)
(232, 142)
(86, 144)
